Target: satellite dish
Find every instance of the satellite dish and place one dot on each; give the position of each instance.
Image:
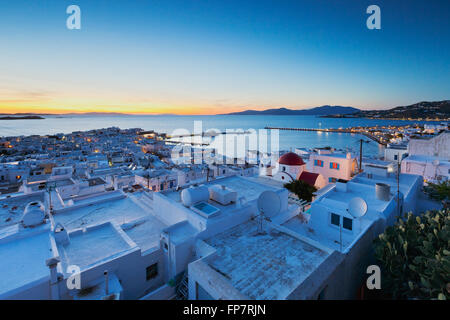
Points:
(357, 207)
(269, 203)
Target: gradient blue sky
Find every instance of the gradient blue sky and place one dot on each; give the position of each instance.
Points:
(200, 57)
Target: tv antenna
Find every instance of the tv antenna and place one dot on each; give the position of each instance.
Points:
(269, 205)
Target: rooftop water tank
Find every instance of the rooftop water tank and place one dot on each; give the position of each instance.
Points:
(191, 196)
(382, 191)
(34, 214)
(222, 195)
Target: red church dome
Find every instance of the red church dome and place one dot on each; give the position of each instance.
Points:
(291, 159)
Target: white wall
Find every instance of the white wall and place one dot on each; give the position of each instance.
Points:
(437, 146)
(347, 167)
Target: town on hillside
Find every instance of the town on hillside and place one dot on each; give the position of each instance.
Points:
(126, 214)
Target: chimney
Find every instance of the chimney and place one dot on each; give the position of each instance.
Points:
(54, 290)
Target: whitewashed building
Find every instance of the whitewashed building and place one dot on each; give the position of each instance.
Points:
(429, 157)
(333, 166)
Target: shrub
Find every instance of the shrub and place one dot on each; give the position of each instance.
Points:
(415, 256)
(438, 191)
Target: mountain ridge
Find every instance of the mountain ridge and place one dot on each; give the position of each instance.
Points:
(420, 110)
(322, 110)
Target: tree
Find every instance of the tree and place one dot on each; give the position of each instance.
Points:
(302, 189)
(415, 256)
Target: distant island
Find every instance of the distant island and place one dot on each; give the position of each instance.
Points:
(425, 110)
(323, 110)
(21, 118)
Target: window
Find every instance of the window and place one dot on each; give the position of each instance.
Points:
(335, 219)
(334, 165)
(395, 157)
(347, 223)
(161, 186)
(318, 163)
(152, 271)
(284, 168)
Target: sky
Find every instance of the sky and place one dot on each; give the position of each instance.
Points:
(213, 57)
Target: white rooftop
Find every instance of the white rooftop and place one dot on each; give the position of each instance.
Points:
(248, 187)
(22, 261)
(145, 232)
(11, 209)
(116, 210)
(92, 246)
(297, 225)
(266, 266)
(428, 159)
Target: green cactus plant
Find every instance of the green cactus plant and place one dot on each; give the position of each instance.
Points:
(415, 256)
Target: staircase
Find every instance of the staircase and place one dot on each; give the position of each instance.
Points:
(182, 290)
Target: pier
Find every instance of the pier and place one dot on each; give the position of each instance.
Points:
(207, 134)
(350, 130)
(187, 142)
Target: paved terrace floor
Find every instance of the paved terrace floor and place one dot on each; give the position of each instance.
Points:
(263, 267)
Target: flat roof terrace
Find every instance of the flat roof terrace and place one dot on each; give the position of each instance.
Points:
(11, 209)
(145, 232)
(115, 210)
(339, 199)
(248, 187)
(406, 181)
(92, 246)
(263, 267)
(22, 261)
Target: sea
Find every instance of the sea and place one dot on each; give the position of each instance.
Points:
(288, 140)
